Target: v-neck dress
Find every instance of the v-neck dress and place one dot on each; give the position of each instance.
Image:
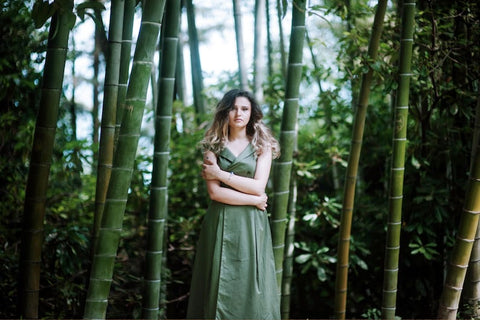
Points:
(234, 270)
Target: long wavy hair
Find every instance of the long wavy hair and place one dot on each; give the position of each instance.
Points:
(259, 134)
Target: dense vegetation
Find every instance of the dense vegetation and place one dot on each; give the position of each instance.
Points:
(443, 96)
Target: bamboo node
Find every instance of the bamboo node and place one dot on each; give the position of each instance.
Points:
(464, 239)
(453, 287)
(390, 291)
(390, 270)
(394, 223)
(388, 308)
(99, 279)
(158, 188)
(471, 211)
(155, 252)
(442, 306)
(97, 300)
(150, 309)
(152, 280)
(284, 163)
(392, 248)
(459, 265)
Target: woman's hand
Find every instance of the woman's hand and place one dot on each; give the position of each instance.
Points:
(262, 202)
(210, 168)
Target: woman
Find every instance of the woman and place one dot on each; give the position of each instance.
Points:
(234, 269)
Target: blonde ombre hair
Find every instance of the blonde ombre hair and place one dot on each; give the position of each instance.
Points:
(259, 134)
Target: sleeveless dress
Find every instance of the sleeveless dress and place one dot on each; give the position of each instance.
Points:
(234, 270)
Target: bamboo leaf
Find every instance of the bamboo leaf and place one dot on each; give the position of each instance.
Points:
(303, 258)
(41, 12)
(96, 6)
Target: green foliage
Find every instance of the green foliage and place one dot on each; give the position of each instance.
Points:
(43, 10)
(18, 98)
(373, 313)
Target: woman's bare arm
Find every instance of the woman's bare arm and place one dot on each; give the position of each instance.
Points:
(252, 186)
(234, 197)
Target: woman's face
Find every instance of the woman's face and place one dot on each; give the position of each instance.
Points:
(240, 114)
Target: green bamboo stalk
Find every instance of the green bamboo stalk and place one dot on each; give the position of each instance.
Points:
(125, 57)
(341, 279)
(283, 166)
(242, 66)
(158, 190)
(107, 133)
(259, 50)
(180, 82)
(283, 55)
(40, 160)
(461, 251)
(197, 77)
(123, 162)
(99, 48)
(289, 249)
(472, 287)
(392, 248)
(269, 43)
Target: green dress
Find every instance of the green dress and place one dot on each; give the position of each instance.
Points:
(234, 270)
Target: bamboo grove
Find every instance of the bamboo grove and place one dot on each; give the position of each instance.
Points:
(102, 198)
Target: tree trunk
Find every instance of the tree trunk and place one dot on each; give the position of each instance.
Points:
(109, 110)
(40, 160)
(197, 77)
(283, 166)
(123, 162)
(159, 192)
(242, 65)
(352, 168)
(392, 248)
